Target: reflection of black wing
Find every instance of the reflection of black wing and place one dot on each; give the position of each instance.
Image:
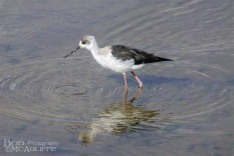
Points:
(126, 53)
(132, 120)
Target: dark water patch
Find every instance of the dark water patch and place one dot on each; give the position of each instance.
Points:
(152, 80)
(6, 48)
(22, 128)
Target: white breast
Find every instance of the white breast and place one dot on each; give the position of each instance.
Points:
(117, 65)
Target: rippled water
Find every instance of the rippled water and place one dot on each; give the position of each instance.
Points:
(185, 108)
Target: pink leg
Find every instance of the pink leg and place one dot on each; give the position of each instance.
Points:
(138, 80)
(125, 81)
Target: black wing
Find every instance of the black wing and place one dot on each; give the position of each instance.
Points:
(127, 53)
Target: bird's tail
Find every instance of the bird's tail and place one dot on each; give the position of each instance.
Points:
(159, 59)
(154, 58)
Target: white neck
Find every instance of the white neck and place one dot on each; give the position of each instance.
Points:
(94, 48)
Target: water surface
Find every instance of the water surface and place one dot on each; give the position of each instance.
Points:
(185, 108)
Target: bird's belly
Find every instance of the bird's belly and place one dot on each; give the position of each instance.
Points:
(116, 65)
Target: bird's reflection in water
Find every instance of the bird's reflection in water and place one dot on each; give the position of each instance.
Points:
(119, 119)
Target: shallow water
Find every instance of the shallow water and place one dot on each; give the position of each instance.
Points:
(185, 108)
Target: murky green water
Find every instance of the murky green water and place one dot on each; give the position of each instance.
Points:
(185, 108)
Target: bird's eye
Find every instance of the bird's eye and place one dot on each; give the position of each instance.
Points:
(83, 42)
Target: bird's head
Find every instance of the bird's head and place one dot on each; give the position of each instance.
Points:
(87, 42)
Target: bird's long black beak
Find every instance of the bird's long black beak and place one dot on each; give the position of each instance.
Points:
(72, 51)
